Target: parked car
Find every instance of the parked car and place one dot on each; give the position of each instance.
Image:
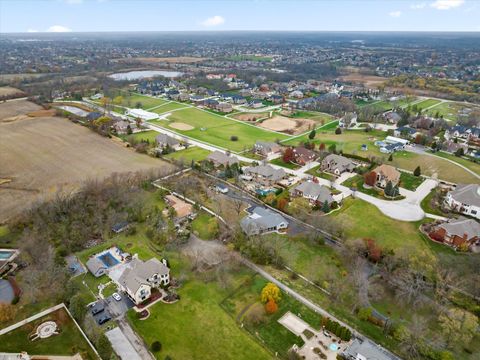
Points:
(326, 333)
(117, 296)
(103, 319)
(97, 308)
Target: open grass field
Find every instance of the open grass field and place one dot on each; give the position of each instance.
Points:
(197, 324)
(47, 154)
(194, 153)
(436, 166)
(450, 110)
(165, 108)
(274, 335)
(69, 341)
(217, 130)
(147, 102)
(148, 135)
(409, 181)
(475, 167)
(427, 103)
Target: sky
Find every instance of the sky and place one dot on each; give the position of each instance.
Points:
(226, 15)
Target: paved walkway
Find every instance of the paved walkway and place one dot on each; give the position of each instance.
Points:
(121, 345)
(134, 341)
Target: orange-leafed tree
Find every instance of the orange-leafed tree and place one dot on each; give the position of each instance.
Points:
(271, 307)
(370, 178)
(288, 155)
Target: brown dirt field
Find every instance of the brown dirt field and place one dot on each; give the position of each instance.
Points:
(10, 91)
(44, 155)
(250, 116)
(16, 108)
(42, 113)
(284, 124)
(181, 126)
(368, 80)
(154, 60)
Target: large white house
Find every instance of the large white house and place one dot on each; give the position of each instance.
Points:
(140, 277)
(142, 114)
(465, 199)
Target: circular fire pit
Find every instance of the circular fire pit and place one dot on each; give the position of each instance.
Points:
(45, 330)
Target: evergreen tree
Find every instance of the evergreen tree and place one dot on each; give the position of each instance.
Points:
(390, 158)
(325, 207)
(389, 189)
(417, 171)
(312, 134)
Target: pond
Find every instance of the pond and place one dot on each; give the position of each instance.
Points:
(135, 75)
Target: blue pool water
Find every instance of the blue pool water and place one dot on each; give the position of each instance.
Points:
(108, 259)
(333, 347)
(263, 192)
(4, 255)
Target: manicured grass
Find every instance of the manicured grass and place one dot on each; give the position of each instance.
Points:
(147, 102)
(217, 130)
(316, 172)
(168, 107)
(68, 342)
(427, 103)
(363, 220)
(449, 109)
(4, 231)
(436, 166)
(426, 204)
(279, 161)
(197, 326)
(350, 141)
(148, 135)
(109, 290)
(409, 181)
(200, 226)
(475, 167)
(270, 332)
(194, 153)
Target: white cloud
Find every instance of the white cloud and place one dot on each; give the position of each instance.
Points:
(447, 4)
(32, 30)
(58, 28)
(213, 21)
(397, 13)
(418, 6)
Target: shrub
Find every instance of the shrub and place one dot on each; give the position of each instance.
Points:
(156, 346)
(234, 138)
(338, 131)
(417, 171)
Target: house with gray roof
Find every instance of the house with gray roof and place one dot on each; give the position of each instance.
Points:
(315, 193)
(366, 350)
(266, 148)
(96, 266)
(465, 199)
(457, 232)
(140, 277)
(221, 159)
(164, 140)
(265, 174)
(262, 221)
(337, 164)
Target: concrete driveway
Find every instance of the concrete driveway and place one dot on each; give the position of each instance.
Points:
(121, 345)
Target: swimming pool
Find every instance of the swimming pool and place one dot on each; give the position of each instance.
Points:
(108, 259)
(333, 347)
(6, 254)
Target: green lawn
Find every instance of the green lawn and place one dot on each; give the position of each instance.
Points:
(475, 167)
(427, 204)
(194, 153)
(270, 332)
(68, 342)
(109, 290)
(409, 181)
(200, 226)
(197, 327)
(427, 103)
(148, 135)
(146, 102)
(279, 161)
(217, 130)
(436, 166)
(168, 107)
(449, 109)
(316, 172)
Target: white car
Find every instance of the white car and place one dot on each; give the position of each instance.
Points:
(117, 296)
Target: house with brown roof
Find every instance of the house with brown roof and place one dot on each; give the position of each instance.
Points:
(337, 164)
(386, 173)
(303, 156)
